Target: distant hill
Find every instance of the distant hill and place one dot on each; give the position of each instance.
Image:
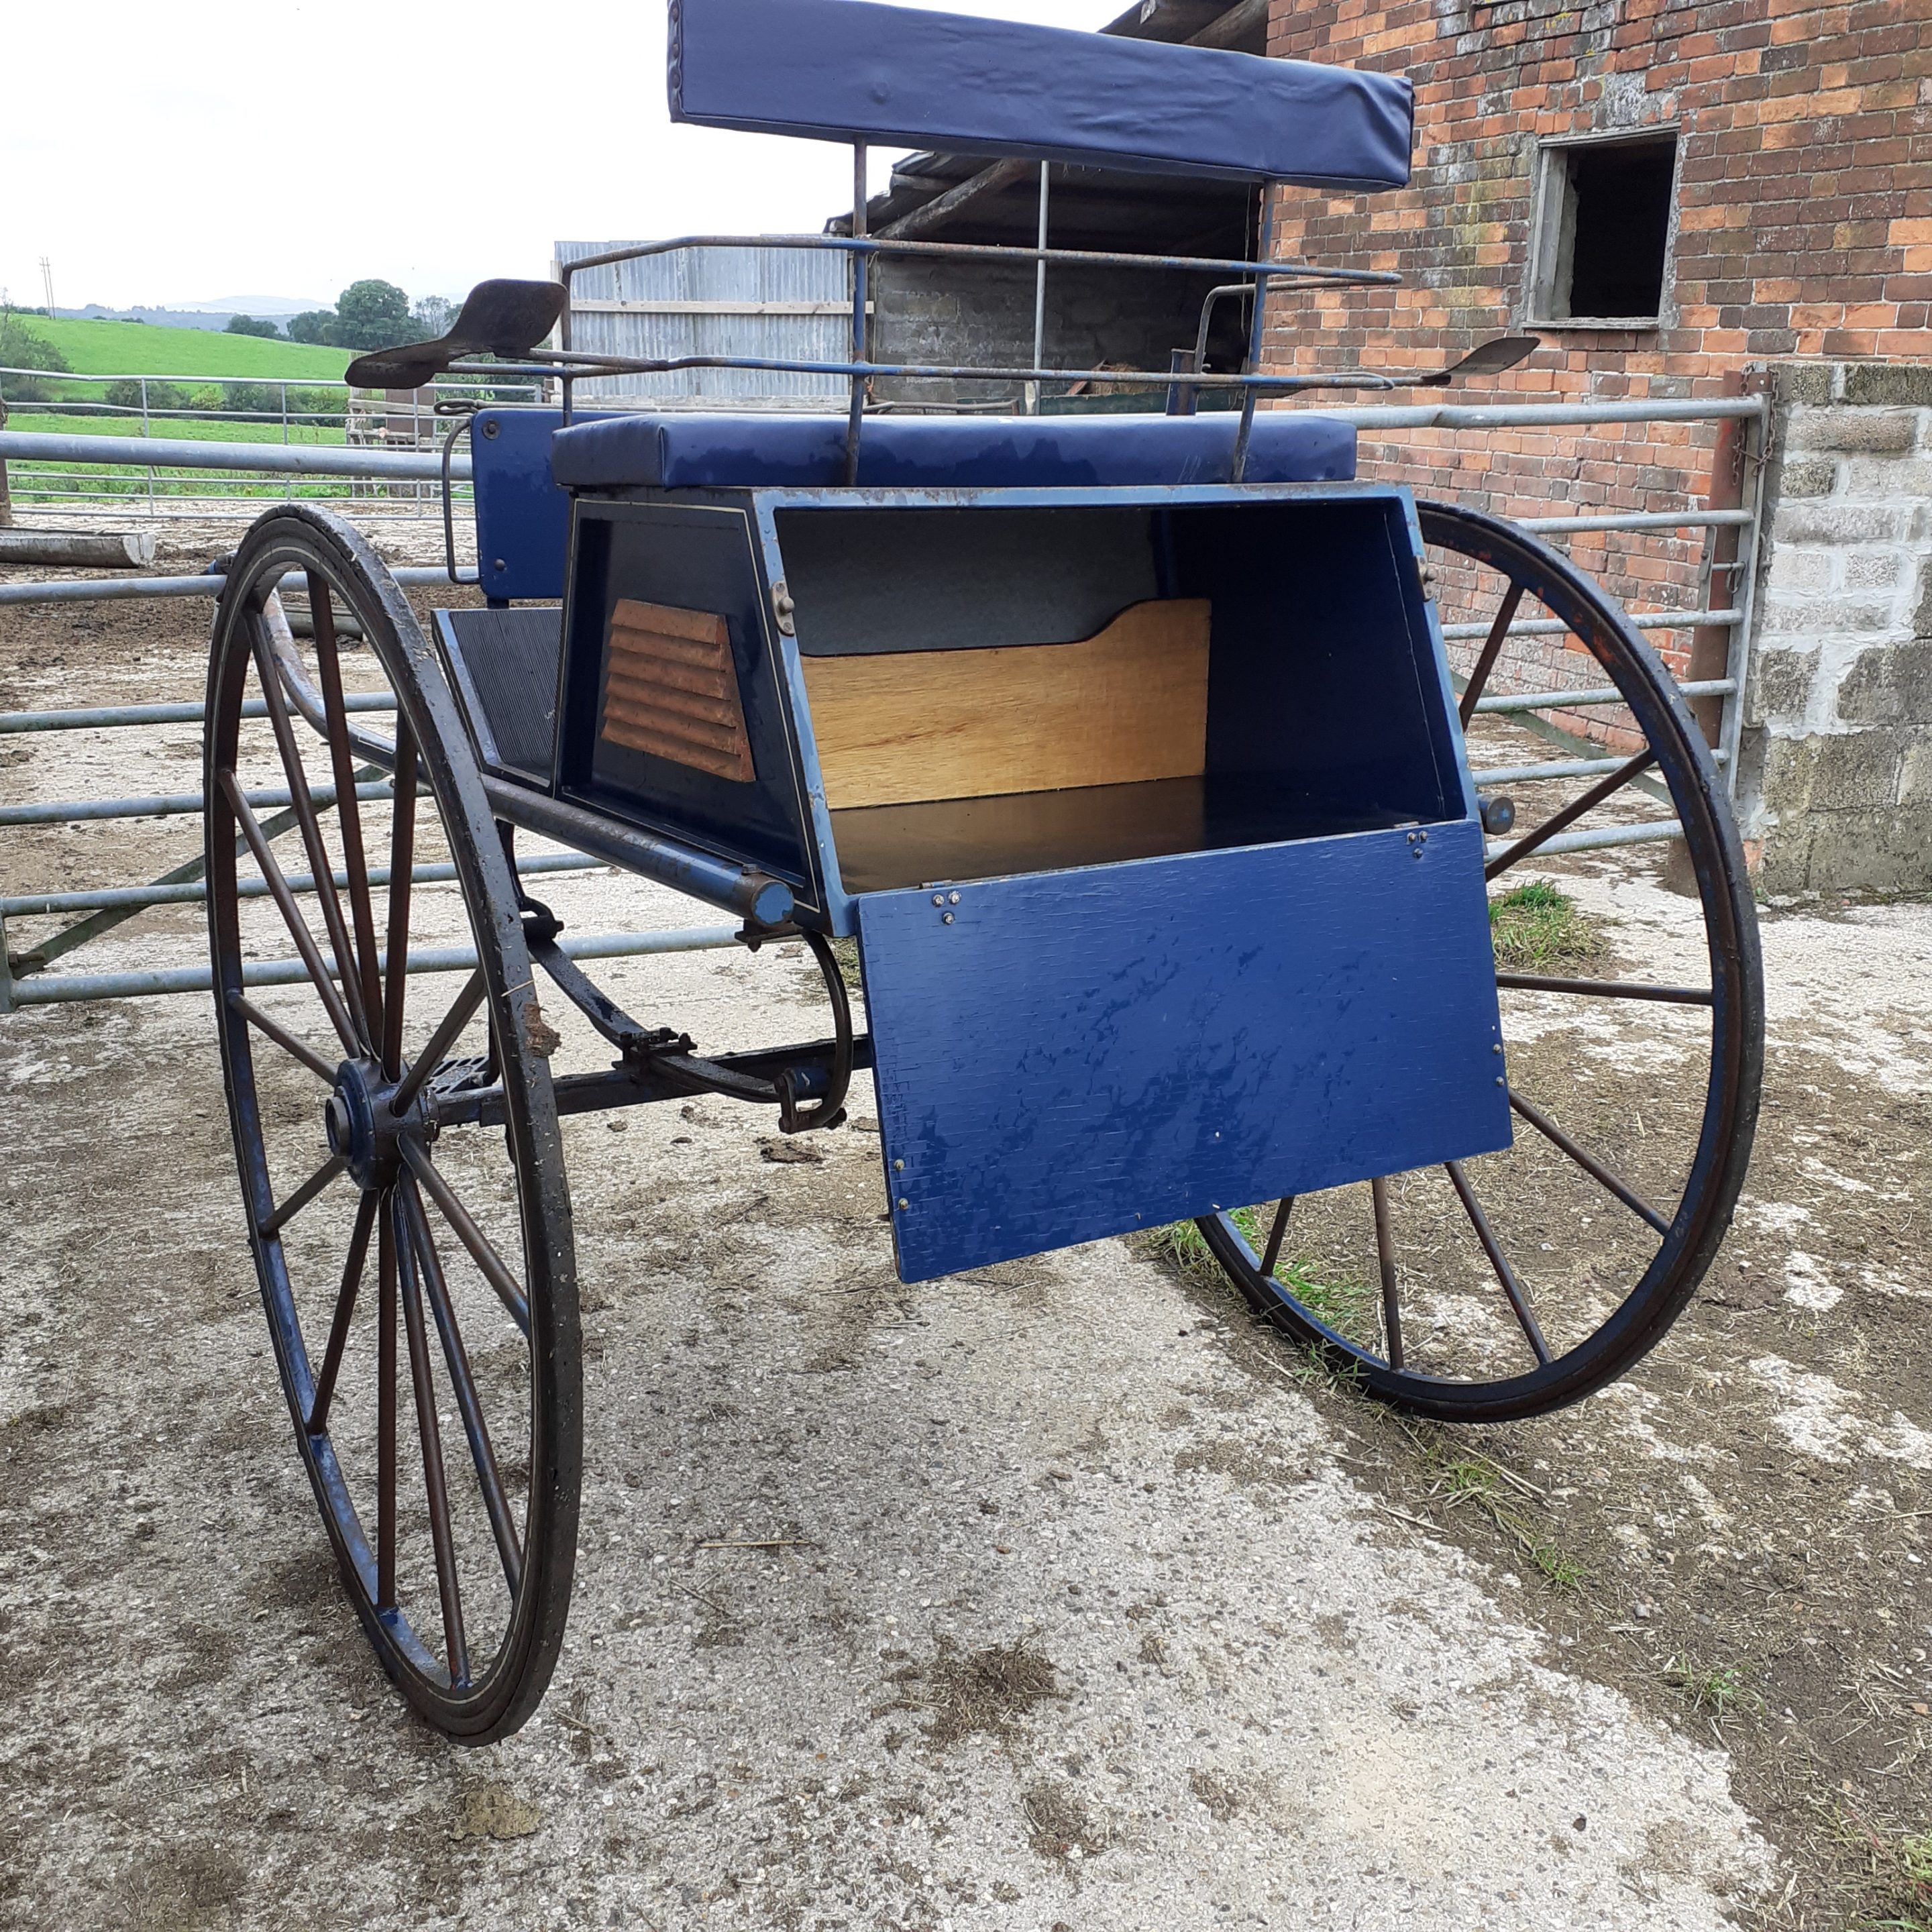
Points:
(99, 348)
(213, 319)
(257, 304)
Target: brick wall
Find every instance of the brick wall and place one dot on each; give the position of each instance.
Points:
(1802, 226)
(1834, 766)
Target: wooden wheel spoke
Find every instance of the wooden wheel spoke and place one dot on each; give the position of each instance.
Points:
(462, 1384)
(1385, 1257)
(302, 805)
(1493, 646)
(488, 1261)
(345, 1308)
(285, 901)
(1272, 1253)
(348, 810)
(1607, 989)
(279, 1218)
(1571, 813)
(434, 1055)
(386, 1406)
(1589, 1162)
(291, 1044)
(402, 861)
(1512, 1289)
(435, 1485)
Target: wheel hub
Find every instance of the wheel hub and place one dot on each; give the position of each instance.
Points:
(360, 1126)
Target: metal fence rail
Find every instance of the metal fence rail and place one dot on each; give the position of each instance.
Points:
(24, 980)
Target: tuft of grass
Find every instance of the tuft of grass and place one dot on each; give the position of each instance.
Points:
(1332, 1298)
(1536, 928)
(1716, 1690)
(1462, 1476)
(846, 951)
(1560, 1571)
(1900, 1867)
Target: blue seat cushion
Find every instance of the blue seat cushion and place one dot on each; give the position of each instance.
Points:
(695, 452)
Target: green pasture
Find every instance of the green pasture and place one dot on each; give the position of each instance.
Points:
(143, 349)
(190, 428)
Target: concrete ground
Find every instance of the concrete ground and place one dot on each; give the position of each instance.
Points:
(1088, 1623)
(1087, 1608)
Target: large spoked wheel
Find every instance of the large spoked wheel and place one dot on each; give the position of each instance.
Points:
(418, 1277)
(1515, 1282)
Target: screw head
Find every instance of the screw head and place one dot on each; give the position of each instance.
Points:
(492, 427)
(939, 898)
(898, 1167)
(946, 919)
(904, 1202)
(954, 898)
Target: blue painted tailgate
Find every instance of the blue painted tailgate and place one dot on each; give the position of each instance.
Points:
(1080, 1054)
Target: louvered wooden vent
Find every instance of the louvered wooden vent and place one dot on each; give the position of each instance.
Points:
(671, 688)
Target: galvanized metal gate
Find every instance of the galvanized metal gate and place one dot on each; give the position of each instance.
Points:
(1722, 610)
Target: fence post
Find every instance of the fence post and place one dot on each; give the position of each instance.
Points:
(1711, 644)
(6, 496)
(145, 431)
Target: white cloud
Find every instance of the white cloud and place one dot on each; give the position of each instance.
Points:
(288, 146)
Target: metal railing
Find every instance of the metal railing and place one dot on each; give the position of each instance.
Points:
(162, 481)
(25, 979)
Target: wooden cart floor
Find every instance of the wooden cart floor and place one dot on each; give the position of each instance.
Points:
(885, 847)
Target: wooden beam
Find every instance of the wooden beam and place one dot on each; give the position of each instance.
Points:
(922, 221)
(1235, 25)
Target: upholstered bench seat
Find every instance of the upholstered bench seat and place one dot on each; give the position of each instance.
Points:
(776, 450)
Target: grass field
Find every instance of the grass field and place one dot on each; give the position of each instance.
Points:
(140, 349)
(193, 429)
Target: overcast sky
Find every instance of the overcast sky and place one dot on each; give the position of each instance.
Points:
(172, 154)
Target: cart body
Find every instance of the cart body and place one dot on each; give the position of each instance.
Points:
(1144, 797)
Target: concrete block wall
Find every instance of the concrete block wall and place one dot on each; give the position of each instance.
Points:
(977, 313)
(1834, 766)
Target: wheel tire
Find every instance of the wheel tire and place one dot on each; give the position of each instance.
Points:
(1646, 1309)
(466, 1694)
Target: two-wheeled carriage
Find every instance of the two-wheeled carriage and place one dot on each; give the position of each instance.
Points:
(1127, 749)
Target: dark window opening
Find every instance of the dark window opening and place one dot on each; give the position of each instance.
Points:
(1605, 230)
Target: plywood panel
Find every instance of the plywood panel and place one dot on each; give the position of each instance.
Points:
(671, 688)
(1128, 704)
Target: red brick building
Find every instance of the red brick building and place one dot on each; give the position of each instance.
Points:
(1664, 190)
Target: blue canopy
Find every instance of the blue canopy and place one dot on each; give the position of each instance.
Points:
(851, 70)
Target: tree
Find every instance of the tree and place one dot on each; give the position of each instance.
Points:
(373, 315)
(433, 315)
(21, 348)
(250, 325)
(312, 324)
(126, 395)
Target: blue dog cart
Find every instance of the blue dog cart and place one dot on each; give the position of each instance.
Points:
(1127, 749)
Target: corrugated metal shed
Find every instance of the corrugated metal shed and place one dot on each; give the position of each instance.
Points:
(793, 304)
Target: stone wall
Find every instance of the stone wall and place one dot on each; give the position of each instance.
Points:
(1835, 767)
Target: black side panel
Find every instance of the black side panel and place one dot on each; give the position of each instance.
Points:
(868, 580)
(691, 557)
(504, 664)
